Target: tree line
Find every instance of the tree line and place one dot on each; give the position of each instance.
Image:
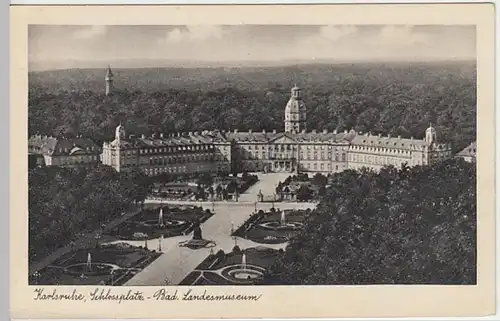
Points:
(396, 99)
(400, 226)
(64, 202)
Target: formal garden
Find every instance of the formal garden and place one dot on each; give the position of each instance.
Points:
(240, 267)
(273, 227)
(161, 221)
(102, 265)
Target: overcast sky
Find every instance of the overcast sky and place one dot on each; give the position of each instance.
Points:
(86, 45)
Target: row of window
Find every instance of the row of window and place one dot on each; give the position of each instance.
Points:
(315, 156)
(78, 160)
(175, 149)
(288, 147)
(377, 160)
(321, 166)
(177, 169)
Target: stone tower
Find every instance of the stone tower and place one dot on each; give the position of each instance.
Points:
(109, 81)
(430, 134)
(295, 112)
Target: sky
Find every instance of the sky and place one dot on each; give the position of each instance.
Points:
(57, 47)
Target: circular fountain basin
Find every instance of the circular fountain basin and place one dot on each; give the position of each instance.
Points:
(96, 269)
(239, 273)
(279, 226)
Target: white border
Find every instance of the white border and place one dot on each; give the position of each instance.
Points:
(4, 98)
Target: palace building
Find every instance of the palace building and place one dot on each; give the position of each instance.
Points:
(296, 149)
(205, 151)
(311, 151)
(64, 152)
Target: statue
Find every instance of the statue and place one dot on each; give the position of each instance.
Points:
(197, 232)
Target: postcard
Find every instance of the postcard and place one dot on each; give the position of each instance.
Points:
(245, 161)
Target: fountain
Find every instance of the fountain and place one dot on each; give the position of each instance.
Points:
(281, 224)
(89, 262)
(242, 273)
(160, 218)
(244, 262)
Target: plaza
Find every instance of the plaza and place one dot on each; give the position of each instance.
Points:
(177, 262)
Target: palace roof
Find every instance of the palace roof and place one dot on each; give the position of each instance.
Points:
(468, 151)
(53, 146)
(177, 139)
(369, 140)
(289, 137)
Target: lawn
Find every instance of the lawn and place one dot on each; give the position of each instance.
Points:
(175, 221)
(110, 265)
(231, 269)
(272, 227)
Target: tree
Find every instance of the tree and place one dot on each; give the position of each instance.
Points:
(304, 193)
(319, 180)
(408, 226)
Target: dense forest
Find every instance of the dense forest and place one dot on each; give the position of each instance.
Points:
(64, 202)
(397, 99)
(407, 226)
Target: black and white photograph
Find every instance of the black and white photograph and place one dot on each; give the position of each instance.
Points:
(252, 155)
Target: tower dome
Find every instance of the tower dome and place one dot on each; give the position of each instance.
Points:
(430, 134)
(295, 112)
(120, 132)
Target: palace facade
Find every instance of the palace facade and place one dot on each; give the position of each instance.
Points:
(299, 150)
(192, 152)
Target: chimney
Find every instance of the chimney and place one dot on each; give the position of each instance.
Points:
(274, 131)
(235, 131)
(263, 131)
(179, 134)
(335, 131)
(411, 137)
(325, 131)
(379, 135)
(143, 136)
(161, 135)
(399, 137)
(250, 131)
(388, 135)
(303, 131)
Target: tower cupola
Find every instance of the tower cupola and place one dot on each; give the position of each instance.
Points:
(295, 112)
(120, 132)
(430, 134)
